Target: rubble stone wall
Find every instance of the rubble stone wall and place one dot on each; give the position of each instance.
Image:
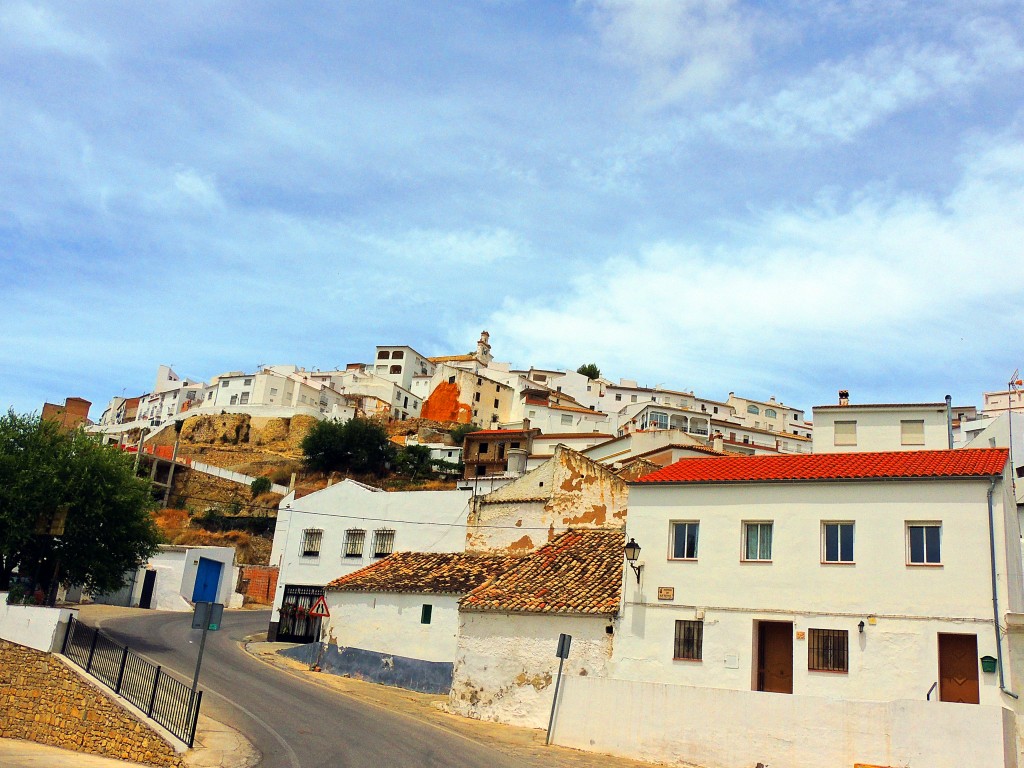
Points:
(42, 700)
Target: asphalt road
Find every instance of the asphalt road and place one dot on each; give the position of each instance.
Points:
(292, 723)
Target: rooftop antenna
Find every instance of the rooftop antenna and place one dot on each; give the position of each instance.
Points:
(1011, 389)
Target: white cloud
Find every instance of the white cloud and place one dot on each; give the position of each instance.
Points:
(32, 26)
(885, 284)
(676, 46)
(839, 100)
(198, 188)
(479, 246)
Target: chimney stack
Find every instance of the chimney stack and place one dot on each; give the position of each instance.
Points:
(844, 397)
(718, 442)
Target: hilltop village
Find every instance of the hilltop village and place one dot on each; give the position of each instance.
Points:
(701, 553)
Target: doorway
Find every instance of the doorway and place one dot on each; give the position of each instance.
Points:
(958, 669)
(774, 671)
(148, 582)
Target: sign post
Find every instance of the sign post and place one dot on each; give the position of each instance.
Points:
(208, 617)
(319, 610)
(562, 652)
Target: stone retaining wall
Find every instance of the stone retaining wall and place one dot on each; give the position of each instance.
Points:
(42, 700)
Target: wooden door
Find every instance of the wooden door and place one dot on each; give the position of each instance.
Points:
(775, 656)
(958, 669)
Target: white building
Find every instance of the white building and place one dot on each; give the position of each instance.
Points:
(327, 534)
(847, 427)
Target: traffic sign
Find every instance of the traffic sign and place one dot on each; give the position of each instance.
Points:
(319, 609)
(208, 615)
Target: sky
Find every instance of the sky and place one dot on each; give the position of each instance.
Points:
(769, 198)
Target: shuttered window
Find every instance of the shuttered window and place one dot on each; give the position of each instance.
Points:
(846, 433)
(912, 432)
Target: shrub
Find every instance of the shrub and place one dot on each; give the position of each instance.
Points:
(259, 485)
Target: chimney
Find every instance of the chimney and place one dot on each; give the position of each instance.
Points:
(844, 397)
(718, 442)
(516, 462)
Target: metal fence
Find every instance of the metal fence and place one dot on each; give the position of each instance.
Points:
(162, 697)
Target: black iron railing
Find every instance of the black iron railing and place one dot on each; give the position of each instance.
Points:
(161, 696)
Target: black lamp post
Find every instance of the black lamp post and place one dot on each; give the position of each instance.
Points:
(632, 552)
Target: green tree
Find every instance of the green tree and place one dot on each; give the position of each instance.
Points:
(359, 446)
(458, 433)
(414, 461)
(590, 370)
(48, 476)
(259, 485)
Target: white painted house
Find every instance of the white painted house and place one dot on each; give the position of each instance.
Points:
(848, 427)
(327, 534)
(864, 587)
(396, 621)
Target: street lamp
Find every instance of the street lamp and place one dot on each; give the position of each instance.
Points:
(632, 552)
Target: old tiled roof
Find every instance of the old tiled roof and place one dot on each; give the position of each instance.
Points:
(579, 572)
(967, 462)
(452, 359)
(441, 573)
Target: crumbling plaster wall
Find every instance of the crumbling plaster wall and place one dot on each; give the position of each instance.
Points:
(505, 666)
(567, 491)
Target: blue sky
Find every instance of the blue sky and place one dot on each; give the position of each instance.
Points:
(777, 199)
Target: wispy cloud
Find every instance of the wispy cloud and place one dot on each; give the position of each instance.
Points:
(839, 100)
(28, 25)
(676, 47)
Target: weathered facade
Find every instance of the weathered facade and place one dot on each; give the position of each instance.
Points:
(567, 491)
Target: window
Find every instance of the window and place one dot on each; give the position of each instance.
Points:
(658, 420)
(770, 413)
(495, 403)
(383, 542)
(354, 538)
(476, 397)
(753, 409)
(484, 447)
(715, 409)
(566, 419)
(451, 379)
(209, 395)
(845, 433)
(425, 612)
(689, 640)
(383, 355)
(247, 382)
(514, 444)
(912, 432)
(632, 398)
(311, 538)
(757, 541)
(273, 390)
(828, 650)
(395, 369)
(244, 399)
(224, 383)
(234, 400)
(618, 396)
(684, 540)
(924, 543)
(397, 354)
(837, 542)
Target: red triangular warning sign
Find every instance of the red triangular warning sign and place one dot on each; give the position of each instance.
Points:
(319, 608)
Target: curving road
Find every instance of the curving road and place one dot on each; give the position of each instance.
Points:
(292, 723)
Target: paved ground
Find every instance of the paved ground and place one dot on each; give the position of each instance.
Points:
(294, 718)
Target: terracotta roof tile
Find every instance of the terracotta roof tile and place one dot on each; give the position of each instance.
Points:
(967, 462)
(579, 572)
(439, 573)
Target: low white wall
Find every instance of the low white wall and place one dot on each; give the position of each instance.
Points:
(718, 728)
(32, 625)
(227, 474)
(390, 623)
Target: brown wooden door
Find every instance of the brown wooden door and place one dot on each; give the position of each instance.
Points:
(958, 668)
(775, 656)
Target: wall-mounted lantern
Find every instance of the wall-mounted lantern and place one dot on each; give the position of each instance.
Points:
(632, 552)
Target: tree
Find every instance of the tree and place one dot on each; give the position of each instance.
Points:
(590, 370)
(48, 476)
(359, 446)
(414, 461)
(259, 486)
(458, 433)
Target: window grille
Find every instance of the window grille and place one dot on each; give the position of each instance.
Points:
(383, 542)
(354, 538)
(311, 538)
(689, 640)
(828, 650)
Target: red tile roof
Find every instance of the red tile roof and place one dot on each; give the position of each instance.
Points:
(580, 572)
(967, 462)
(439, 573)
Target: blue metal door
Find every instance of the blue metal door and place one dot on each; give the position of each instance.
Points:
(207, 581)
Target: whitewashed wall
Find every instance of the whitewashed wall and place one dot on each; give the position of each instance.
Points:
(716, 728)
(506, 666)
(878, 429)
(895, 658)
(33, 626)
(390, 623)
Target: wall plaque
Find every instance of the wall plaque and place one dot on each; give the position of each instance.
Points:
(666, 593)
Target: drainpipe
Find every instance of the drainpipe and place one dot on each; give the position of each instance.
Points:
(995, 594)
(949, 420)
